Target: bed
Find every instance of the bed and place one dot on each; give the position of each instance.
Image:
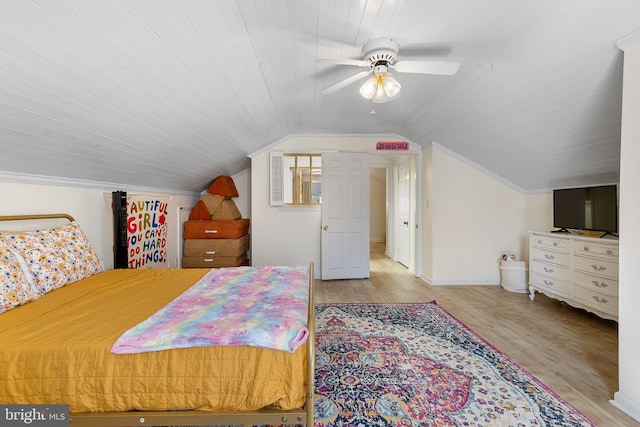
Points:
(58, 349)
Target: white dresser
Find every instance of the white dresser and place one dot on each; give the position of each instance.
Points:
(582, 271)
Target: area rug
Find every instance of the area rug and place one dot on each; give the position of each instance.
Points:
(417, 365)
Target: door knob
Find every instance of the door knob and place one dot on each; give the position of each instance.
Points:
(326, 227)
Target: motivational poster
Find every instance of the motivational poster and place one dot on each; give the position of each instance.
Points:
(147, 230)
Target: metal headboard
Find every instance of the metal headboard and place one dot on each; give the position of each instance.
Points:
(35, 216)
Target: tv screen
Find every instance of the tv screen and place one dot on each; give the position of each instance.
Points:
(586, 208)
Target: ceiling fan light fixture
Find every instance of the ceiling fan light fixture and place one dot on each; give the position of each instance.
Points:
(368, 88)
(381, 86)
(391, 86)
(386, 89)
(380, 96)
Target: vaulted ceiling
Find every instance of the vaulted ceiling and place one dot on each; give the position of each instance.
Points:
(172, 93)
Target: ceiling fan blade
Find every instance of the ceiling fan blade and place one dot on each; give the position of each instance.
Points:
(346, 82)
(344, 61)
(425, 50)
(444, 68)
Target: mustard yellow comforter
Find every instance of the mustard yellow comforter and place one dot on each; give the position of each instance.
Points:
(57, 350)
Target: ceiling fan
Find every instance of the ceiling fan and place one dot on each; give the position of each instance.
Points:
(380, 55)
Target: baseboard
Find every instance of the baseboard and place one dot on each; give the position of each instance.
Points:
(626, 405)
(459, 283)
(426, 279)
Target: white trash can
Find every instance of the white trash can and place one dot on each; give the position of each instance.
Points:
(513, 276)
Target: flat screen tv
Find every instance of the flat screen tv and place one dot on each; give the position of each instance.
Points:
(586, 208)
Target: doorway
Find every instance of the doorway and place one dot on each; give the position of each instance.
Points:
(395, 198)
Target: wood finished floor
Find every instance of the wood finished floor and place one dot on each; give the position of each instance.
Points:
(572, 352)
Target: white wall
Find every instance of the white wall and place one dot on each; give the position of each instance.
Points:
(378, 205)
(88, 207)
(474, 218)
(415, 213)
(538, 212)
(538, 216)
(427, 217)
(627, 397)
(242, 182)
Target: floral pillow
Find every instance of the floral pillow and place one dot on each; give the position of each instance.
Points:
(15, 289)
(56, 256)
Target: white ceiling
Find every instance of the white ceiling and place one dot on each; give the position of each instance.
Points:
(172, 93)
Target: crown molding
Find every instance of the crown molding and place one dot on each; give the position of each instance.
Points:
(631, 39)
(80, 183)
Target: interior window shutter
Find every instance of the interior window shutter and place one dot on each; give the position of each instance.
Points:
(276, 178)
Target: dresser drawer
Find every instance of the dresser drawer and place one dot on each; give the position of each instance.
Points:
(609, 252)
(595, 283)
(597, 300)
(596, 266)
(550, 270)
(545, 255)
(220, 229)
(217, 247)
(550, 242)
(553, 285)
(213, 262)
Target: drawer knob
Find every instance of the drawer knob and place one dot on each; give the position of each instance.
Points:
(600, 284)
(211, 231)
(598, 267)
(548, 282)
(548, 270)
(539, 241)
(555, 243)
(609, 252)
(586, 248)
(600, 300)
(547, 256)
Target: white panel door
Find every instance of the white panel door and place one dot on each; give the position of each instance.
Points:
(345, 216)
(404, 213)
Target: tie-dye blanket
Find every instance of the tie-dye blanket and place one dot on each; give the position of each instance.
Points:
(256, 306)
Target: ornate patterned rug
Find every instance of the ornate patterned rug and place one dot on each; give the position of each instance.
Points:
(417, 365)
